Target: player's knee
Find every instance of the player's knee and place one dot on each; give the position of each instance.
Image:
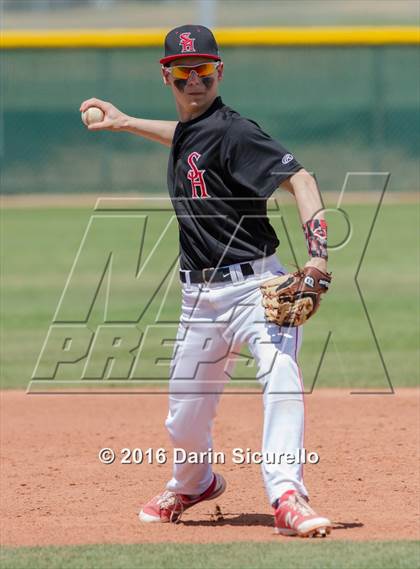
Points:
(283, 381)
(189, 420)
(186, 436)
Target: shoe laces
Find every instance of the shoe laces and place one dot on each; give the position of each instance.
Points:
(173, 502)
(299, 504)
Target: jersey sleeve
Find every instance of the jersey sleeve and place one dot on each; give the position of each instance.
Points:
(254, 160)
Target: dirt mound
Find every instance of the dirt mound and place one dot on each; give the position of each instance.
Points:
(56, 491)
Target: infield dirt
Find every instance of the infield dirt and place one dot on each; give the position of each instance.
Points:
(55, 491)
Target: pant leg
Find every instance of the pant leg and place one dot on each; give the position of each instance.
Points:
(283, 429)
(198, 376)
(275, 350)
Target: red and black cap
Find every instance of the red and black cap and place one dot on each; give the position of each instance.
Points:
(188, 41)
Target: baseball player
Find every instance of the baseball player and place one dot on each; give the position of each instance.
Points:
(222, 169)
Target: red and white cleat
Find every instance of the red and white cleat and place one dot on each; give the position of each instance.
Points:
(294, 516)
(169, 506)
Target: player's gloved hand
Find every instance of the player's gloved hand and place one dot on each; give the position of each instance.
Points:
(289, 300)
(113, 119)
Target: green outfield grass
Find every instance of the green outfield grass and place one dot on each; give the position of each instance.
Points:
(302, 555)
(40, 245)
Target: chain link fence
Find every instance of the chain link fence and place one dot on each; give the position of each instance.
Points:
(338, 109)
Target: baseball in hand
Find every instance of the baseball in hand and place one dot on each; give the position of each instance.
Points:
(92, 115)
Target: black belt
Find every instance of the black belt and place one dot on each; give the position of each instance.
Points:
(215, 275)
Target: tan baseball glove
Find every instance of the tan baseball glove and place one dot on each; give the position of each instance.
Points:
(289, 300)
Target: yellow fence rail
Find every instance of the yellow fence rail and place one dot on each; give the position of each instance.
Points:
(153, 37)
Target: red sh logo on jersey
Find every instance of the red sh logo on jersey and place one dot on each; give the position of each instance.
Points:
(196, 176)
(186, 42)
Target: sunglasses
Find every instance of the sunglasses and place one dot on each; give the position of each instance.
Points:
(202, 70)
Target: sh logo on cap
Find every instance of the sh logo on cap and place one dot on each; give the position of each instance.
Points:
(186, 42)
(191, 40)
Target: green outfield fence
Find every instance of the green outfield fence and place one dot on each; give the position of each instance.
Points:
(342, 99)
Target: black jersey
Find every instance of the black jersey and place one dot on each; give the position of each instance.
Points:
(222, 169)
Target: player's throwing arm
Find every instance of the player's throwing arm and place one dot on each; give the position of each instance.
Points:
(102, 115)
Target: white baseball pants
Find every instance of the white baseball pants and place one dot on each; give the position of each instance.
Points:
(216, 320)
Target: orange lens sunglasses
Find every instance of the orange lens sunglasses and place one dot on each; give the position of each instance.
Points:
(202, 70)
